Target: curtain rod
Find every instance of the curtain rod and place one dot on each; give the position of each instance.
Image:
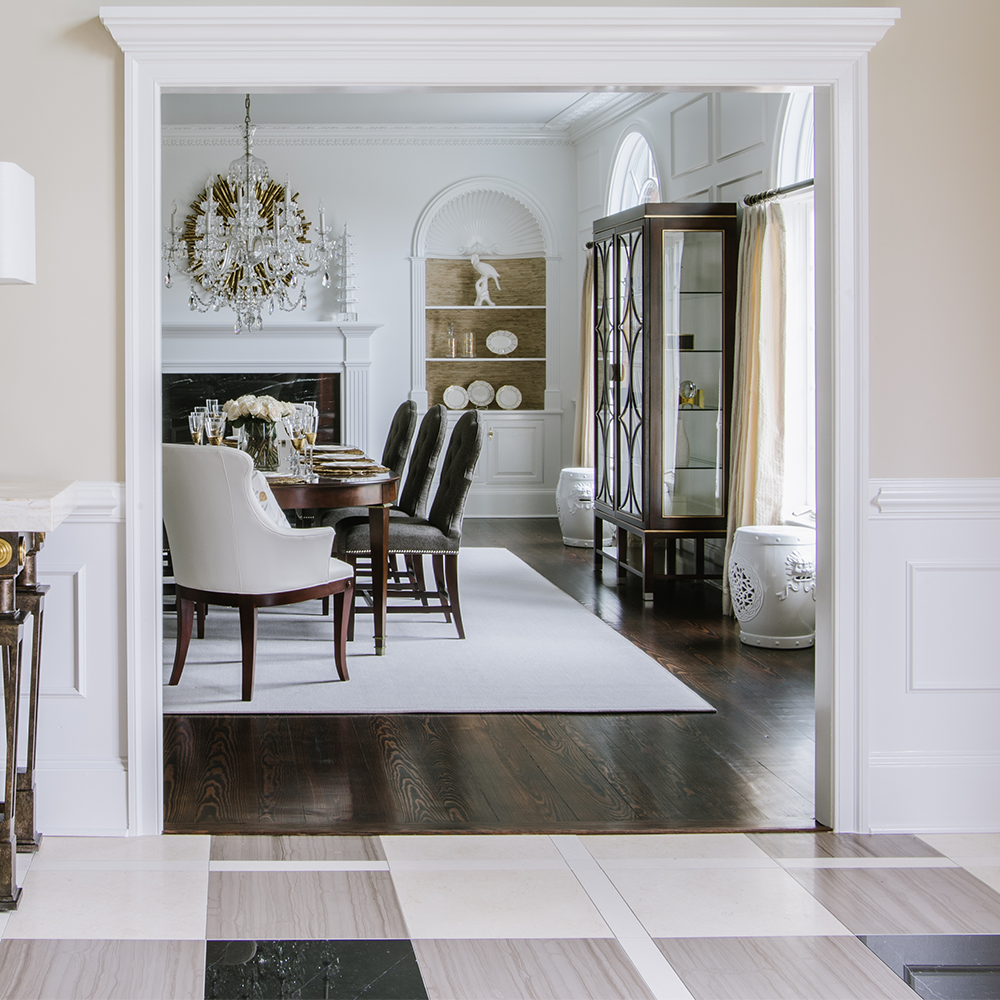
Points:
(756, 199)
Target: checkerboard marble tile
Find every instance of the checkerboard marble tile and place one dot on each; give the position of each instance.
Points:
(452, 917)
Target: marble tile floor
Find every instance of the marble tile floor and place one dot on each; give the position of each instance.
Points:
(465, 917)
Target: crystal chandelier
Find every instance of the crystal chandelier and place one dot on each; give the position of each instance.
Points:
(244, 244)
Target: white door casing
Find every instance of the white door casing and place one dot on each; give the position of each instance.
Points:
(239, 49)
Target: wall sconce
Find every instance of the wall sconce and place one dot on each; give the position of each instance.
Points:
(17, 225)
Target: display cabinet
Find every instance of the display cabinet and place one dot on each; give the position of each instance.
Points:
(664, 331)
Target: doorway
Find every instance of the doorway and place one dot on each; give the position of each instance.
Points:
(574, 50)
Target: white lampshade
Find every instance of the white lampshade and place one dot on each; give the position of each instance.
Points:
(17, 225)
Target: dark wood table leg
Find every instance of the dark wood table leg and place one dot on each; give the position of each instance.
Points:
(11, 635)
(378, 522)
(30, 600)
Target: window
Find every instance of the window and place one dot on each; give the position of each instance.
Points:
(634, 180)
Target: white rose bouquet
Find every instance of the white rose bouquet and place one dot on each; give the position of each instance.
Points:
(259, 416)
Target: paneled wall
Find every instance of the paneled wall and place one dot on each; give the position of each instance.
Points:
(931, 690)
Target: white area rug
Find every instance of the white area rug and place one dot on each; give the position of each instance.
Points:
(529, 648)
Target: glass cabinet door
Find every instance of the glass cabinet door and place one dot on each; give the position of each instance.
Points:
(604, 312)
(693, 417)
(628, 357)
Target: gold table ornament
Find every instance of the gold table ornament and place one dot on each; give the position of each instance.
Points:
(28, 510)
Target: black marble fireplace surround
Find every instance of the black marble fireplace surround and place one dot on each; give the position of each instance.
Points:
(184, 391)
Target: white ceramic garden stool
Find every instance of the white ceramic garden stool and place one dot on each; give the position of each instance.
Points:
(575, 506)
(772, 582)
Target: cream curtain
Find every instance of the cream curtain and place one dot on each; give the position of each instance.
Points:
(756, 477)
(583, 429)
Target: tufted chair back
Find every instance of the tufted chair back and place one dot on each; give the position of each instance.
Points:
(397, 442)
(423, 461)
(466, 443)
(220, 538)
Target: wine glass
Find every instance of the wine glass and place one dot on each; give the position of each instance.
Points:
(196, 424)
(215, 425)
(212, 405)
(293, 427)
(310, 426)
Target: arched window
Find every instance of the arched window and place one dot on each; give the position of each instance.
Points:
(796, 147)
(634, 180)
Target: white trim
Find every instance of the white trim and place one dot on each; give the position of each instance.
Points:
(920, 758)
(98, 503)
(588, 48)
(909, 499)
(78, 583)
(469, 186)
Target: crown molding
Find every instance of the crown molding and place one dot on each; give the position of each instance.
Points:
(607, 114)
(367, 135)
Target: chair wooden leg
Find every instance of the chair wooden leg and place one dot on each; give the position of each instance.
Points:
(202, 610)
(185, 620)
(326, 607)
(353, 561)
(248, 640)
(442, 586)
(341, 616)
(451, 569)
(416, 564)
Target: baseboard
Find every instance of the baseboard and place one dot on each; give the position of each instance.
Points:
(940, 793)
(508, 501)
(86, 798)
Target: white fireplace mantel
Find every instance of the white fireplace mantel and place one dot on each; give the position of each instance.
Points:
(287, 347)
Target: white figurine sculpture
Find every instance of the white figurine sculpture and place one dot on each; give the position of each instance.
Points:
(486, 271)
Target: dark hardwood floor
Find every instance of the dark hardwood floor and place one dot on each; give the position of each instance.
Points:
(747, 767)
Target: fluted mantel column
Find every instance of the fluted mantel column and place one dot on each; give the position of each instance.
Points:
(356, 392)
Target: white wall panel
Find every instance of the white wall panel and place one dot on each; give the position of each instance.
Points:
(690, 136)
(931, 669)
(740, 123)
(81, 775)
(946, 651)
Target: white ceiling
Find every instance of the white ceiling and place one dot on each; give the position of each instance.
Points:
(396, 108)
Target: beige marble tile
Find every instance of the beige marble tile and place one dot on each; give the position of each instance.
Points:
(297, 849)
(670, 846)
(444, 848)
(782, 968)
(115, 905)
(904, 900)
(497, 904)
(151, 849)
(538, 969)
(842, 845)
(964, 845)
(988, 874)
(729, 902)
(303, 905)
(111, 970)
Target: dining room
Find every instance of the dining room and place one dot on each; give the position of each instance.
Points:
(520, 177)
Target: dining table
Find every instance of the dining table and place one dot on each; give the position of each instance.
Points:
(377, 493)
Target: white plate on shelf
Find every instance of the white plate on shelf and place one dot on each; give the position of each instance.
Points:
(508, 397)
(481, 393)
(455, 397)
(501, 342)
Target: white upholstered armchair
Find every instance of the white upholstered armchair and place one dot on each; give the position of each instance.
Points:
(227, 551)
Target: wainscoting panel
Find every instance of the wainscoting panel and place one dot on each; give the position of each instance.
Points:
(81, 774)
(932, 662)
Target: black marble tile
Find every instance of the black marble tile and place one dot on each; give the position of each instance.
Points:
(304, 970)
(942, 966)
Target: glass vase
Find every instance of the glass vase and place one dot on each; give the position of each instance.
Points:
(261, 443)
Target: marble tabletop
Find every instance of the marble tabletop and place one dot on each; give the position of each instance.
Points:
(35, 504)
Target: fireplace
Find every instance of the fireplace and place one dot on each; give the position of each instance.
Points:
(182, 391)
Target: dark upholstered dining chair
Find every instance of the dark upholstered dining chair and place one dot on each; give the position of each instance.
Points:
(438, 535)
(227, 551)
(412, 501)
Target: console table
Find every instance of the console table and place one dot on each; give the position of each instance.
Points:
(27, 511)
